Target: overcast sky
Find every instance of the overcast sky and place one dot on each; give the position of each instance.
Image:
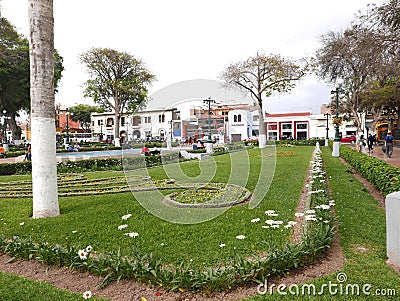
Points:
(185, 39)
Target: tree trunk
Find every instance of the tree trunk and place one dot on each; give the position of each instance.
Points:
(44, 168)
(116, 129)
(262, 135)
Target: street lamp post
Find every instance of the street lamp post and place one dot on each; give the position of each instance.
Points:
(101, 130)
(169, 139)
(327, 128)
(209, 144)
(336, 142)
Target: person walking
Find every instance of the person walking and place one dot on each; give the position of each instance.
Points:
(28, 154)
(389, 144)
(362, 145)
(370, 143)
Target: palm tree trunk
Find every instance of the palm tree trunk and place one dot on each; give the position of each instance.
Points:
(44, 168)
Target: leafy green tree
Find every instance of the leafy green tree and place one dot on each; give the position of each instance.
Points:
(262, 75)
(82, 113)
(365, 59)
(118, 81)
(14, 73)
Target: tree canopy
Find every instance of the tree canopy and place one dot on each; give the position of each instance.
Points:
(365, 60)
(118, 81)
(82, 113)
(261, 76)
(15, 74)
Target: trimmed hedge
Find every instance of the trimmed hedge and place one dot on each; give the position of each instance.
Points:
(94, 164)
(311, 142)
(385, 177)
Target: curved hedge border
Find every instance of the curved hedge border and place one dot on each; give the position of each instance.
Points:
(385, 177)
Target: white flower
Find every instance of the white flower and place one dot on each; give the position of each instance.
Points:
(222, 245)
(299, 214)
(326, 222)
(21, 224)
(89, 248)
(125, 217)
(271, 213)
(292, 223)
(310, 218)
(270, 222)
(310, 211)
(325, 207)
(275, 226)
(82, 254)
(162, 244)
(74, 231)
(265, 227)
(87, 295)
(255, 220)
(122, 227)
(132, 234)
(241, 237)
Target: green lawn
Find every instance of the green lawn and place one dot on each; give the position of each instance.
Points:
(17, 288)
(361, 224)
(94, 220)
(363, 239)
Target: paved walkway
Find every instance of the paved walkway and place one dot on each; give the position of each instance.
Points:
(377, 152)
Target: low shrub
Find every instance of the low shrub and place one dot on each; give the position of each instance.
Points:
(134, 162)
(385, 177)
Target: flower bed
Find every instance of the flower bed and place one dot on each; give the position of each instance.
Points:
(209, 196)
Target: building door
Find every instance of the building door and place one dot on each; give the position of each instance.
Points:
(236, 137)
(301, 135)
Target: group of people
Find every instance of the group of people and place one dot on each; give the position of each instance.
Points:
(364, 144)
(147, 152)
(75, 148)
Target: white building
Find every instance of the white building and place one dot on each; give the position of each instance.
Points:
(142, 125)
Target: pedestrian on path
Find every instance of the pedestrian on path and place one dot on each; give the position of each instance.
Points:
(362, 144)
(389, 144)
(370, 143)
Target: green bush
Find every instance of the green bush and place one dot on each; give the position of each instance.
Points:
(134, 162)
(311, 142)
(385, 177)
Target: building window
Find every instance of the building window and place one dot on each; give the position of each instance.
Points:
(302, 126)
(110, 121)
(161, 118)
(147, 119)
(136, 121)
(237, 118)
(287, 131)
(122, 121)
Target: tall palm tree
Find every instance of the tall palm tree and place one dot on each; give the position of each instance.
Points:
(41, 52)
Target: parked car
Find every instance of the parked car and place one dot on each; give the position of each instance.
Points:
(348, 139)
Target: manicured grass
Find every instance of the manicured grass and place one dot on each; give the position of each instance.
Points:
(96, 218)
(17, 288)
(363, 238)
